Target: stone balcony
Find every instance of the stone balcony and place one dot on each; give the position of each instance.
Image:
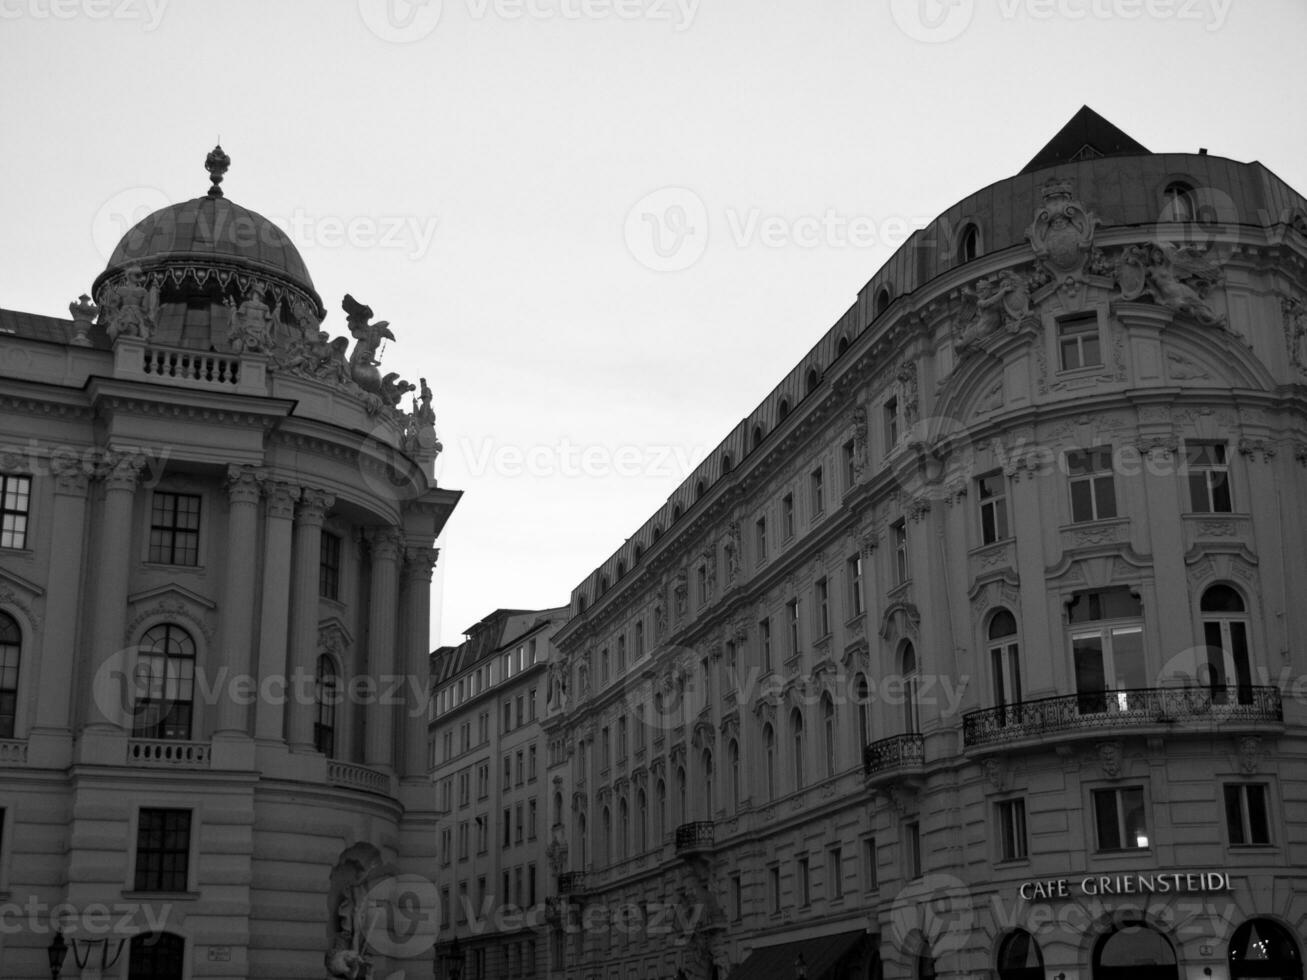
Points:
(899, 758)
(695, 837)
(1142, 711)
(349, 775)
(158, 753)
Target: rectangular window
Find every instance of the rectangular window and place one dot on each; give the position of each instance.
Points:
(817, 485)
(1119, 819)
(483, 781)
(508, 826)
(835, 874)
(329, 566)
(760, 538)
(787, 517)
(1012, 830)
(1246, 814)
(1093, 490)
(701, 575)
(822, 589)
(854, 567)
(900, 535)
(163, 850)
(1209, 477)
(531, 705)
(774, 880)
(802, 883)
(764, 644)
(506, 717)
(462, 840)
(849, 456)
(531, 764)
(1107, 646)
(639, 639)
(891, 416)
(621, 739)
(483, 834)
(521, 767)
(792, 619)
(1077, 342)
(621, 656)
(445, 906)
(737, 897)
(464, 787)
(446, 846)
(531, 819)
(991, 491)
(912, 848)
(508, 772)
(175, 529)
(604, 759)
(870, 872)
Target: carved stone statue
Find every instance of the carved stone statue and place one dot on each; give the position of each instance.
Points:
(130, 308)
(995, 302)
(732, 548)
(368, 336)
(391, 393)
(1178, 277)
(249, 326)
(425, 414)
(1062, 234)
(358, 870)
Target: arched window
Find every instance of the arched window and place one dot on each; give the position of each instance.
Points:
(699, 490)
(1178, 202)
(968, 243)
(165, 683)
(841, 345)
(882, 301)
(810, 383)
(1225, 634)
(1264, 948)
(580, 603)
(156, 956)
(582, 841)
(796, 737)
(642, 821)
(1134, 950)
(623, 827)
(828, 732)
(733, 758)
(603, 584)
(621, 569)
(639, 551)
(326, 696)
(660, 811)
(911, 688)
(677, 511)
(757, 436)
(784, 409)
(769, 747)
(1019, 957)
(726, 463)
(11, 644)
(863, 694)
(1005, 666)
(707, 785)
(682, 795)
(558, 808)
(657, 531)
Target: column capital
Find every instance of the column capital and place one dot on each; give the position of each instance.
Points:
(121, 470)
(282, 497)
(245, 483)
(386, 543)
(314, 505)
(419, 563)
(70, 476)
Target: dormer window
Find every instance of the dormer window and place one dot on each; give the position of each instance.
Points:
(1178, 202)
(969, 243)
(882, 300)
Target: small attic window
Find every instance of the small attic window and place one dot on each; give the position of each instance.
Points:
(699, 490)
(603, 584)
(811, 381)
(677, 511)
(621, 569)
(639, 551)
(726, 463)
(1178, 202)
(580, 603)
(784, 407)
(882, 301)
(658, 532)
(968, 243)
(757, 436)
(842, 346)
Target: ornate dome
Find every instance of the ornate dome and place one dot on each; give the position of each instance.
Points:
(207, 256)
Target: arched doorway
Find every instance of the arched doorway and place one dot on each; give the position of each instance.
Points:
(1019, 957)
(1134, 951)
(1263, 948)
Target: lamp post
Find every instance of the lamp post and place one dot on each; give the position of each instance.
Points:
(57, 952)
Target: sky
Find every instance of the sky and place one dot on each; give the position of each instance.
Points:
(603, 230)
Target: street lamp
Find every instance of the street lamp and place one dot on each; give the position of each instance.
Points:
(57, 952)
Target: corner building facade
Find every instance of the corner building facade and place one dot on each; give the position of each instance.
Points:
(215, 582)
(974, 650)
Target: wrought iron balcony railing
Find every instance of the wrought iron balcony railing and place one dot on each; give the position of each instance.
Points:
(898, 752)
(1133, 708)
(695, 836)
(571, 882)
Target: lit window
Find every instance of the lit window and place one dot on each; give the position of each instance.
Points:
(175, 529)
(15, 505)
(1246, 814)
(1209, 477)
(1093, 488)
(1078, 343)
(992, 493)
(1119, 819)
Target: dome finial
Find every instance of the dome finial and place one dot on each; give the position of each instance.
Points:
(216, 163)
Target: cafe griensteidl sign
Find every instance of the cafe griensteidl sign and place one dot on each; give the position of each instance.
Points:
(1150, 883)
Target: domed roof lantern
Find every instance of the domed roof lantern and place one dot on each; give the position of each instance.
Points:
(216, 163)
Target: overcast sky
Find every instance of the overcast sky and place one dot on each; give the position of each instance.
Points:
(601, 229)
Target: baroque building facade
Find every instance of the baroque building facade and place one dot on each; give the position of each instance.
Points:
(974, 650)
(489, 774)
(215, 583)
